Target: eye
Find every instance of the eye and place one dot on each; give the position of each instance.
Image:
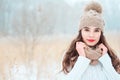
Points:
(97, 30)
(86, 29)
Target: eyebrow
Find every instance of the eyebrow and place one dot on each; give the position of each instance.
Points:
(89, 28)
(97, 28)
(86, 27)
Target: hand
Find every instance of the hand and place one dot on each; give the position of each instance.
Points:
(104, 48)
(80, 48)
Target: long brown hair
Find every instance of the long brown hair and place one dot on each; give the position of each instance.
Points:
(71, 55)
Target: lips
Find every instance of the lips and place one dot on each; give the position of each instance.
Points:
(91, 40)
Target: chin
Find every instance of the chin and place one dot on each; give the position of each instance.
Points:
(91, 44)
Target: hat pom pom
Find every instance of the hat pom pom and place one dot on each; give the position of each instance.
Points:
(93, 6)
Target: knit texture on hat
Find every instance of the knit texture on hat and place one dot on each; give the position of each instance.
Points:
(92, 16)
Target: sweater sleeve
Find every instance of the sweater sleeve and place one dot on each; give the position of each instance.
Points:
(108, 67)
(78, 69)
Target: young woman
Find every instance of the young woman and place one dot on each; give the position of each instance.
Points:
(89, 57)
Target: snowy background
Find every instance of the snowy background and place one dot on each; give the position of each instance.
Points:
(34, 34)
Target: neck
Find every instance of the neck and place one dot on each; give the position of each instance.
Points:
(92, 47)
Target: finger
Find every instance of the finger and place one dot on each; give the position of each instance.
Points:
(77, 42)
(82, 42)
(100, 45)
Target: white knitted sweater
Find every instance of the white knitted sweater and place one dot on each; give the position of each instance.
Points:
(82, 70)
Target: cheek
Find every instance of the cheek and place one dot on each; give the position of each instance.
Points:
(84, 35)
(98, 37)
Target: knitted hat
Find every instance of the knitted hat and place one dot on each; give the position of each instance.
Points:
(92, 16)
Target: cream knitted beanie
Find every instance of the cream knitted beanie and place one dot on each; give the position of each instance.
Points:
(92, 16)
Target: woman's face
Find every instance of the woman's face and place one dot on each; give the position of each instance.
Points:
(91, 35)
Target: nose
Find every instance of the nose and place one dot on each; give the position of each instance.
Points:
(91, 34)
